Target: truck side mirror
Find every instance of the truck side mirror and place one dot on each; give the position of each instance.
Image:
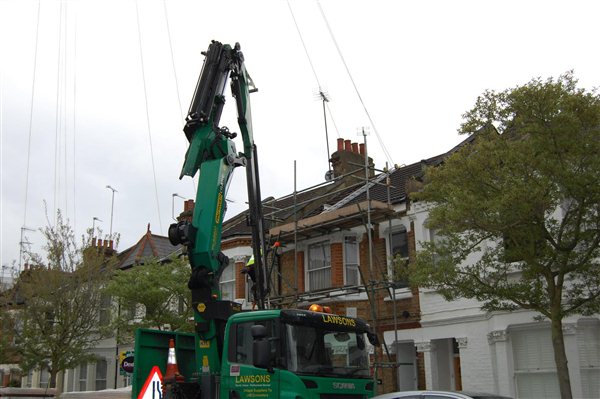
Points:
(261, 354)
(261, 348)
(258, 331)
(373, 338)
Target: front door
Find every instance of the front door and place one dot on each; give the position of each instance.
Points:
(407, 366)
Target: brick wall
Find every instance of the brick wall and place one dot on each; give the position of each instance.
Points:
(380, 313)
(287, 272)
(337, 264)
(235, 243)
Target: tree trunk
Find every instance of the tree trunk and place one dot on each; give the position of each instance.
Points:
(60, 382)
(560, 358)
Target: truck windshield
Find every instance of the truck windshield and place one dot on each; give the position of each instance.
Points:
(318, 351)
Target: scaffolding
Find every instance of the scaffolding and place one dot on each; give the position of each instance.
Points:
(306, 214)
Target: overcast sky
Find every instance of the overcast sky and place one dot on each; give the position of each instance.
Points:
(87, 107)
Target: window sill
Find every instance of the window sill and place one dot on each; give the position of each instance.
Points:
(400, 293)
(339, 294)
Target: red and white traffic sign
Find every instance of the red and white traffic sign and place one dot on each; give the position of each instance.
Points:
(152, 388)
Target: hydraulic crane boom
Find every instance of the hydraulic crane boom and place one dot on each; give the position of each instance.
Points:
(212, 153)
(267, 353)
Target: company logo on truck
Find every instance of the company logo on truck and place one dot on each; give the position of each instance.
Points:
(265, 378)
(340, 320)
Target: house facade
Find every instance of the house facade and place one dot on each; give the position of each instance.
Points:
(335, 245)
(509, 353)
(328, 255)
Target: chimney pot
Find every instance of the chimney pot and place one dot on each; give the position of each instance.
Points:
(188, 205)
(110, 245)
(93, 242)
(100, 243)
(340, 143)
(362, 148)
(347, 145)
(355, 148)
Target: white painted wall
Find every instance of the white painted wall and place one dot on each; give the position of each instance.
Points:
(484, 338)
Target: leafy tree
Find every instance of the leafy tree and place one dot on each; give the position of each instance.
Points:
(61, 296)
(151, 295)
(6, 327)
(524, 199)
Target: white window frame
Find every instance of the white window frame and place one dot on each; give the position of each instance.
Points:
(105, 310)
(403, 292)
(588, 346)
(248, 289)
(101, 380)
(29, 382)
(397, 230)
(540, 364)
(309, 270)
(44, 377)
(435, 237)
(347, 265)
(388, 244)
(82, 380)
(227, 286)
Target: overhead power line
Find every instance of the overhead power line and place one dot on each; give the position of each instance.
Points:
(304, 45)
(74, 119)
(181, 117)
(137, 14)
(321, 93)
(57, 116)
(312, 67)
(386, 153)
(37, 39)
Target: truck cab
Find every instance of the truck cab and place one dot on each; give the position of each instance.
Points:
(281, 354)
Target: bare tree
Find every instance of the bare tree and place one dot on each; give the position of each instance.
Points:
(61, 296)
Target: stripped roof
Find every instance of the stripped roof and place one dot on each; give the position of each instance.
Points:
(332, 196)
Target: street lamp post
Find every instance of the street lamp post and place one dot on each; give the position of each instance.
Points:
(112, 206)
(173, 204)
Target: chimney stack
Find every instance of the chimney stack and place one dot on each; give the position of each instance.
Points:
(347, 145)
(188, 211)
(188, 205)
(349, 159)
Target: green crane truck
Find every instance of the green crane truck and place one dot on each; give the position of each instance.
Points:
(265, 353)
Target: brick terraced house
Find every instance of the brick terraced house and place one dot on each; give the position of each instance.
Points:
(337, 241)
(431, 343)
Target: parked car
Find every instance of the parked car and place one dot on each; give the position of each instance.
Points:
(439, 395)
